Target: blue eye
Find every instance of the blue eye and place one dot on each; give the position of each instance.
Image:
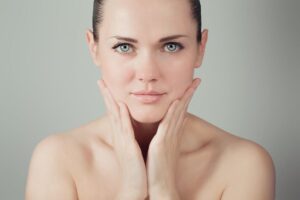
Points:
(172, 46)
(125, 48)
(122, 47)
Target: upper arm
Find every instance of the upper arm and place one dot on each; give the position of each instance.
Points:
(48, 177)
(252, 175)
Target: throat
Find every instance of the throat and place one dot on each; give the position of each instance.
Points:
(144, 133)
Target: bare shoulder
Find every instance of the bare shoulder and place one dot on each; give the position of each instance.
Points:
(59, 159)
(55, 161)
(245, 168)
(240, 152)
(241, 149)
(49, 166)
(250, 171)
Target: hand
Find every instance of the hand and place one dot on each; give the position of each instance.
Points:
(127, 150)
(163, 151)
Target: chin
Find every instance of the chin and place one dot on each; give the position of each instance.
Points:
(147, 116)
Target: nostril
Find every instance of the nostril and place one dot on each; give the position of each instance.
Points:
(147, 80)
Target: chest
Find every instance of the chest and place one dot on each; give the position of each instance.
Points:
(198, 177)
(201, 177)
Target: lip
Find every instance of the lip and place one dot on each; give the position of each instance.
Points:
(148, 96)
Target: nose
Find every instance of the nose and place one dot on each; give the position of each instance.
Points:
(147, 69)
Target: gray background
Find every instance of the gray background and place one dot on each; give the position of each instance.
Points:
(249, 79)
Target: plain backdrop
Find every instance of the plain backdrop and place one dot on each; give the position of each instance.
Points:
(250, 80)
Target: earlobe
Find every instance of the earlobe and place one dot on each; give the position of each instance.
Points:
(92, 46)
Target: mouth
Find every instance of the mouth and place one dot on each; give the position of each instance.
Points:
(148, 98)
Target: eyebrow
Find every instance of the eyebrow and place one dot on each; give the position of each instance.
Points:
(172, 37)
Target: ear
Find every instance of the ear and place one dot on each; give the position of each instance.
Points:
(93, 48)
(201, 48)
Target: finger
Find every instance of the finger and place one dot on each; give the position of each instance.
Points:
(186, 98)
(113, 119)
(176, 112)
(113, 113)
(184, 102)
(114, 108)
(125, 118)
(104, 95)
(173, 120)
(190, 90)
(181, 128)
(170, 113)
(187, 102)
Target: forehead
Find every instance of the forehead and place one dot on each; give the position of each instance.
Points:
(148, 18)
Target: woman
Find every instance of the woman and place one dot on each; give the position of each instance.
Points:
(147, 146)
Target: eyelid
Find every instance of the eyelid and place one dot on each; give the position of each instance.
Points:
(180, 46)
(119, 44)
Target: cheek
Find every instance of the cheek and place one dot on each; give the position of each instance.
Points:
(117, 78)
(179, 87)
(113, 69)
(180, 77)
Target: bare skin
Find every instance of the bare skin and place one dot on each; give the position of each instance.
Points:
(140, 150)
(206, 165)
(212, 164)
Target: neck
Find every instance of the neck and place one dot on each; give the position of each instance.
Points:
(144, 132)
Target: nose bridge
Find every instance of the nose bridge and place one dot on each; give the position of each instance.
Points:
(147, 68)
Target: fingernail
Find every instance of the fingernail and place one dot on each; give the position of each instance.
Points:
(197, 82)
(100, 84)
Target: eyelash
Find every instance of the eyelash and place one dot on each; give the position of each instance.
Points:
(180, 46)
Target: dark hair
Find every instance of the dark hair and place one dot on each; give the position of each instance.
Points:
(98, 17)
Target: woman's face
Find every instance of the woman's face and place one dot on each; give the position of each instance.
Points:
(147, 62)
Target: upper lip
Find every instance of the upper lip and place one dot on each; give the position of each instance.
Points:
(147, 92)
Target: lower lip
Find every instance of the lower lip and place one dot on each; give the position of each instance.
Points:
(148, 98)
